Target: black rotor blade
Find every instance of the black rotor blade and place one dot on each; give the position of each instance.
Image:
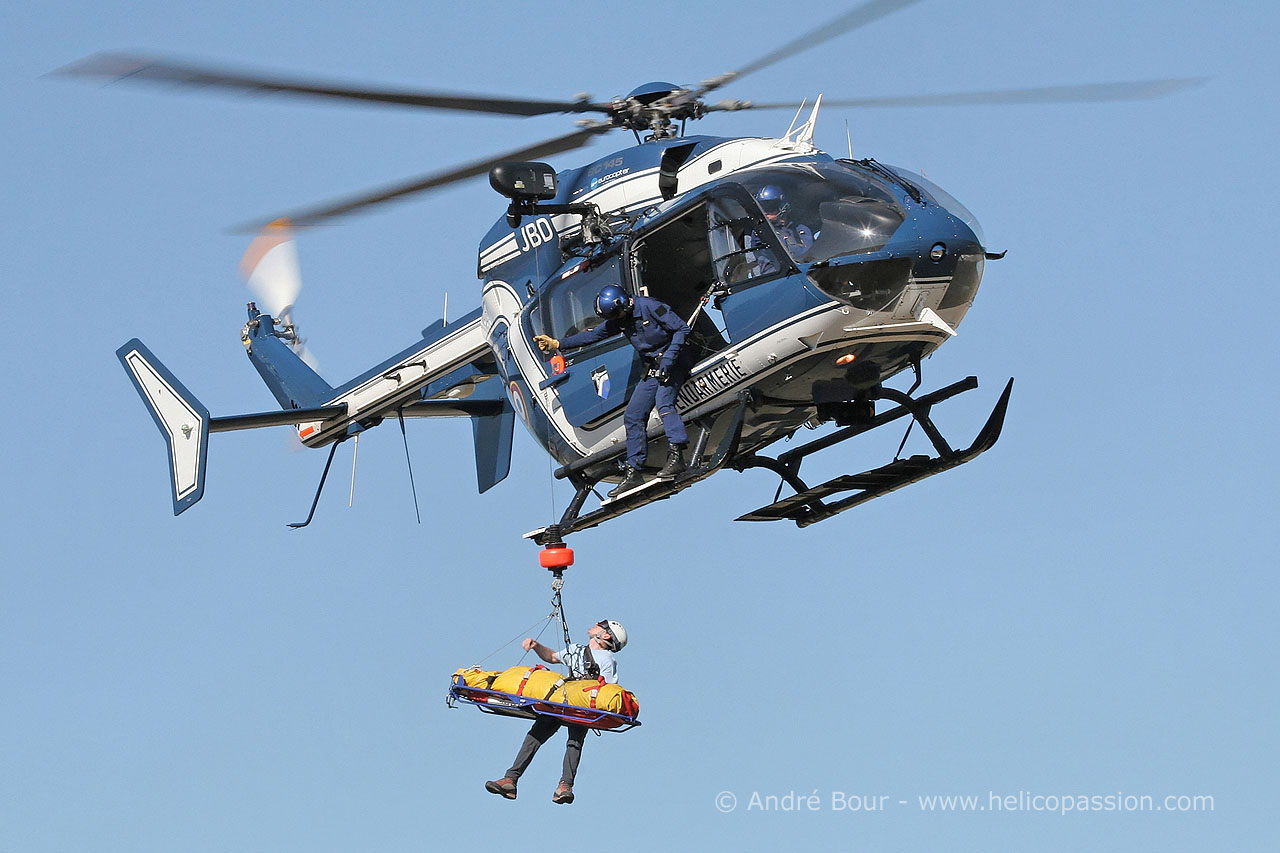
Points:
(340, 207)
(133, 68)
(860, 16)
(1136, 90)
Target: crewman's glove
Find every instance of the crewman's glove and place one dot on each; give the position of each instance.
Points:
(546, 343)
(664, 374)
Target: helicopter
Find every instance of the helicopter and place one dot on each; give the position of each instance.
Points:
(786, 336)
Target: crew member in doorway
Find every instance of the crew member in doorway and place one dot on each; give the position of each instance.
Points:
(593, 660)
(658, 334)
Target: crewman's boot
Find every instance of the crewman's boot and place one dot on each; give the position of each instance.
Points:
(633, 480)
(675, 463)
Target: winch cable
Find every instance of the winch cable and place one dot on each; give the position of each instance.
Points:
(556, 586)
(557, 558)
(551, 485)
(541, 306)
(557, 609)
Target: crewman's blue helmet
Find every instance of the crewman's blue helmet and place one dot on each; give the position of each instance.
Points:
(612, 302)
(772, 200)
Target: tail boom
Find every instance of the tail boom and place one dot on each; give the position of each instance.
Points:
(440, 376)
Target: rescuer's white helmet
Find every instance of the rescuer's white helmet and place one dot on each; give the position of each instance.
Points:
(617, 632)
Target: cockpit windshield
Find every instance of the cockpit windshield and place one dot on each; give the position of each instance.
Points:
(946, 200)
(824, 210)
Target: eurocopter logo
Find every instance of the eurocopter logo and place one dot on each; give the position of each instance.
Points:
(710, 382)
(604, 179)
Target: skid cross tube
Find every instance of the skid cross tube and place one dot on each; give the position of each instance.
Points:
(808, 506)
(987, 437)
(792, 457)
(920, 412)
(777, 466)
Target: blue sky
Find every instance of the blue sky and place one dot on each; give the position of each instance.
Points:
(1086, 610)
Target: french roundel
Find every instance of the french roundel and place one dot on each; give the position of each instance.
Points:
(517, 401)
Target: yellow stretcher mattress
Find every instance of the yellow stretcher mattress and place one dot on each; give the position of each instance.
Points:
(538, 682)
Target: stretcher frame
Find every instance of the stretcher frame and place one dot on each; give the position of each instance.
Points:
(530, 708)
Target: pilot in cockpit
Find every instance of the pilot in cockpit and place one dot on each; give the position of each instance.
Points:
(795, 236)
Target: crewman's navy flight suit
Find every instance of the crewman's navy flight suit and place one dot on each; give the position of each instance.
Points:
(658, 334)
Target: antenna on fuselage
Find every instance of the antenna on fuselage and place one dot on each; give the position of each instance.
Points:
(801, 136)
(412, 485)
(804, 136)
(792, 127)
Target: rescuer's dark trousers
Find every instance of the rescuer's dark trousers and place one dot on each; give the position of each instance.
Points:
(648, 393)
(543, 728)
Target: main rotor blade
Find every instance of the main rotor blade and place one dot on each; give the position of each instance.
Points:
(1136, 90)
(340, 207)
(857, 17)
(132, 68)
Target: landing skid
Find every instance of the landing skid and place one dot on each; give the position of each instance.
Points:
(808, 505)
(647, 484)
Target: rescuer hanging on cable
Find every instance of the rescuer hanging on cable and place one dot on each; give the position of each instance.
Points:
(594, 660)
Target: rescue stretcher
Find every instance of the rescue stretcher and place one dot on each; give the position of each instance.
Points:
(530, 707)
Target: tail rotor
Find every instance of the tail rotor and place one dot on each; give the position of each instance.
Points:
(270, 271)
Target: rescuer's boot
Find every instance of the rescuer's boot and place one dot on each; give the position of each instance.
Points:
(502, 787)
(675, 463)
(633, 480)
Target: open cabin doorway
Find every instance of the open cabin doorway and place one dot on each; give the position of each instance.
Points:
(673, 263)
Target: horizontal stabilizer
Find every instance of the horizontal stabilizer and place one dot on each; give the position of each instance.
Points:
(180, 417)
(449, 408)
(285, 417)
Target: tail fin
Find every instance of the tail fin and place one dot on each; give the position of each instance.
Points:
(492, 435)
(181, 418)
(470, 391)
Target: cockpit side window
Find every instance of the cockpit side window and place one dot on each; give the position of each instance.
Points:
(739, 251)
(825, 210)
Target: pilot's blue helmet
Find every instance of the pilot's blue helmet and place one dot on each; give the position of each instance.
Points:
(772, 199)
(612, 302)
